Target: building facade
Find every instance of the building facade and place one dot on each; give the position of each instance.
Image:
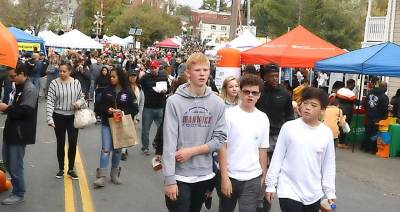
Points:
(214, 30)
(379, 29)
(206, 15)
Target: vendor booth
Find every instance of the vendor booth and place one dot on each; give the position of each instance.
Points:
(298, 48)
(168, 43)
(26, 41)
(378, 60)
(77, 40)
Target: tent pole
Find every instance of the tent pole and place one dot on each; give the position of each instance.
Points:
(280, 75)
(360, 93)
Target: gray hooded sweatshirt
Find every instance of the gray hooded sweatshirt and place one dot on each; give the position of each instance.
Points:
(192, 121)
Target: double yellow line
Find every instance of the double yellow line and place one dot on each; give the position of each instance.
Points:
(87, 202)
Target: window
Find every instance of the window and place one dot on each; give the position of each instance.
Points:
(213, 27)
(224, 28)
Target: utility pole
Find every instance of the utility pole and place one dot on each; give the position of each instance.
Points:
(234, 19)
(248, 13)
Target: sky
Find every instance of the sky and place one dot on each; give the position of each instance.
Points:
(192, 3)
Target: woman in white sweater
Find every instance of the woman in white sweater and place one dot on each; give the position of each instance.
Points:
(64, 97)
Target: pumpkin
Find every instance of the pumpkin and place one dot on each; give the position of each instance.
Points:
(2, 179)
(8, 185)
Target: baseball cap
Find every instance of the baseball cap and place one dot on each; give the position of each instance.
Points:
(154, 64)
(134, 71)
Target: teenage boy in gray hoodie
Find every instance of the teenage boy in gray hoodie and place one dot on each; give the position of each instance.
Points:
(194, 127)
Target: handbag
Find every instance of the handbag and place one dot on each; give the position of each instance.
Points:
(84, 118)
(123, 131)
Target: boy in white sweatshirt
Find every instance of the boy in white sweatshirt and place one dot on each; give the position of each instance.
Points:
(302, 169)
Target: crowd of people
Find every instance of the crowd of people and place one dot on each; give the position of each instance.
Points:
(253, 141)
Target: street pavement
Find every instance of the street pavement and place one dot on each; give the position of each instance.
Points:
(364, 182)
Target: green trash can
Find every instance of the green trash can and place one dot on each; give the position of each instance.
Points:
(357, 133)
(394, 130)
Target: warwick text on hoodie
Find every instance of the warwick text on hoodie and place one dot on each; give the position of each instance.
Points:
(192, 121)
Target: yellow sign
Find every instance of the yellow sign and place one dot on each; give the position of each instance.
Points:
(28, 46)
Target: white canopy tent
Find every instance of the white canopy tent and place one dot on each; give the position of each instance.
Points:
(244, 41)
(52, 40)
(77, 40)
(117, 40)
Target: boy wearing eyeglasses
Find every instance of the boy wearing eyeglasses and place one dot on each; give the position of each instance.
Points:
(194, 127)
(243, 157)
(302, 170)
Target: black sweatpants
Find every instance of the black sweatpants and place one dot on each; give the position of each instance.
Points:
(191, 197)
(65, 123)
(289, 205)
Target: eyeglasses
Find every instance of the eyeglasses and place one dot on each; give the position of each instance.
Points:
(253, 93)
(12, 76)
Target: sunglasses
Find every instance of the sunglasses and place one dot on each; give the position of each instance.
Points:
(253, 93)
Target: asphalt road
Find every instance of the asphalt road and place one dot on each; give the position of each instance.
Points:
(364, 183)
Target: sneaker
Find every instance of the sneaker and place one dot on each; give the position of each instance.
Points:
(12, 200)
(156, 164)
(208, 202)
(60, 174)
(146, 152)
(73, 175)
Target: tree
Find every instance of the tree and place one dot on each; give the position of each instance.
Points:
(155, 24)
(212, 5)
(55, 25)
(338, 21)
(183, 10)
(88, 8)
(32, 14)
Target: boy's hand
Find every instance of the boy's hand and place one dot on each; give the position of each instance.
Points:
(171, 191)
(226, 187)
(183, 155)
(270, 196)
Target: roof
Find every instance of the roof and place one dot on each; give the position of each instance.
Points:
(210, 12)
(215, 21)
(22, 36)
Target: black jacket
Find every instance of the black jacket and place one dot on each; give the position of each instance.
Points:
(124, 100)
(83, 77)
(376, 104)
(20, 126)
(277, 104)
(153, 99)
(396, 106)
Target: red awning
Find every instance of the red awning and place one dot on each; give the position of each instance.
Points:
(298, 48)
(167, 43)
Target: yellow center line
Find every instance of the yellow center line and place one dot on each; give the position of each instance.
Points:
(87, 202)
(68, 188)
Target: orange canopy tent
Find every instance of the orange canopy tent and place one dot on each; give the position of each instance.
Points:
(298, 48)
(8, 48)
(168, 43)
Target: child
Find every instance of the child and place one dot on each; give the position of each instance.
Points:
(302, 169)
(241, 177)
(194, 127)
(333, 118)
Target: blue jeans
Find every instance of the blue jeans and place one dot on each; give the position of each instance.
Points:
(13, 157)
(149, 115)
(107, 147)
(36, 82)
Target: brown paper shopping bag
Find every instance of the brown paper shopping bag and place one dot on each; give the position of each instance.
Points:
(123, 132)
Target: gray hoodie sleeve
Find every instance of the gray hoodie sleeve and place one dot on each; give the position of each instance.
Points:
(218, 136)
(170, 137)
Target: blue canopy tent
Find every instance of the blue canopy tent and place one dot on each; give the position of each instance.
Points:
(379, 60)
(27, 41)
